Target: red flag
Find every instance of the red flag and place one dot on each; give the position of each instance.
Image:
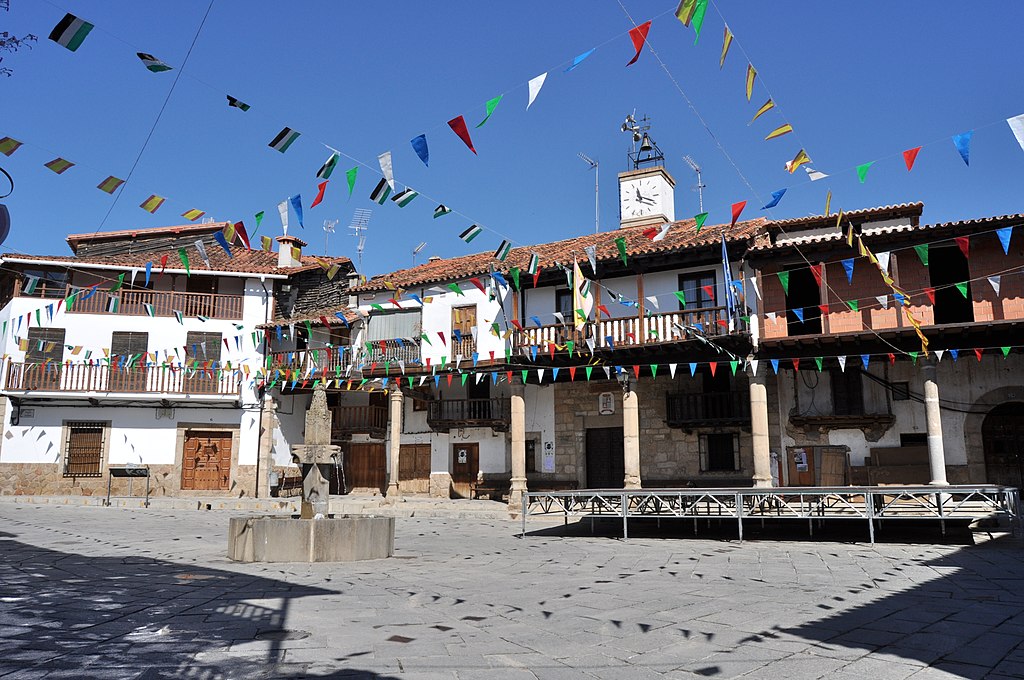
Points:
(737, 208)
(322, 187)
(638, 35)
(450, 376)
(892, 358)
(440, 334)
(242, 235)
(551, 349)
(395, 302)
(977, 353)
(909, 156)
(602, 308)
(535, 277)
(163, 264)
(478, 283)
(710, 290)
(324, 321)
(824, 309)
(714, 367)
(816, 271)
(572, 373)
(965, 244)
(930, 292)
(458, 126)
(508, 374)
(636, 371)
(796, 364)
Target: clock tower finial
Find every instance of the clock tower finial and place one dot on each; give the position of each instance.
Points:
(645, 192)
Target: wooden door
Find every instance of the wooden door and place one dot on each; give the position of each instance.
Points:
(206, 461)
(465, 468)
(414, 468)
(606, 464)
(366, 467)
(801, 465)
(833, 466)
(1002, 435)
(463, 323)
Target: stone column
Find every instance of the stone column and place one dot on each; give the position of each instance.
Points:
(933, 419)
(631, 436)
(759, 431)
(266, 448)
(518, 432)
(396, 440)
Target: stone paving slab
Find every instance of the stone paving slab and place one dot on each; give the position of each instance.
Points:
(89, 592)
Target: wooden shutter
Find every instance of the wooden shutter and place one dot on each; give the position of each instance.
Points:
(45, 344)
(194, 346)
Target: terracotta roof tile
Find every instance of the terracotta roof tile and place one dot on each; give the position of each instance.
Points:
(681, 236)
(177, 230)
(878, 213)
(314, 317)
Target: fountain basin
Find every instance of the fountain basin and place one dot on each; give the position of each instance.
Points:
(336, 538)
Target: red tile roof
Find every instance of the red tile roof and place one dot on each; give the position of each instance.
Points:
(314, 317)
(863, 215)
(178, 230)
(681, 237)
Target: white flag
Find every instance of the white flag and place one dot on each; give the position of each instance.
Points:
(535, 86)
(202, 253)
(753, 366)
(753, 284)
(938, 354)
(540, 375)
(385, 168)
(423, 379)
(653, 299)
(883, 300)
(672, 370)
(813, 174)
(282, 208)
(607, 372)
(1017, 127)
(994, 280)
(842, 363)
(591, 252)
(883, 261)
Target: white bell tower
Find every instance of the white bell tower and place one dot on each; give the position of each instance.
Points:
(647, 192)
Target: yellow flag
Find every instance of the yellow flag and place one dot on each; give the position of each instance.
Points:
(685, 10)
(767, 106)
(779, 131)
(579, 300)
(798, 160)
(828, 203)
(751, 74)
(726, 44)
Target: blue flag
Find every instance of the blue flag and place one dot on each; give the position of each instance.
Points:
(848, 266)
(419, 145)
(296, 202)
(219, 237)
(579, 59)
(776, 197)
(962, 142)
(1004, 235)
(149, 271)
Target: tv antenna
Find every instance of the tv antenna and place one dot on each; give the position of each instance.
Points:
(416, 251)
(329, 226)
(597, 205)
(358, 227)
(700, 185)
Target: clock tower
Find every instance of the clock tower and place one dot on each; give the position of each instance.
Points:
(646, 193)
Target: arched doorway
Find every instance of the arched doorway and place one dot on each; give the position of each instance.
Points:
(1002, 435)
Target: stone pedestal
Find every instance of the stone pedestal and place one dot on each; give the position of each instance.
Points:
(331, 539)
(396, 401)
(316, 457)
(933, 419)
(631, 437)
(518, 432)
(759, 432)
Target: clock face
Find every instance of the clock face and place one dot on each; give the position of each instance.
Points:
(640, 199)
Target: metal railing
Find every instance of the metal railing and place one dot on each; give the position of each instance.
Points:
(135, 380)
(966, 502)
(713, 407)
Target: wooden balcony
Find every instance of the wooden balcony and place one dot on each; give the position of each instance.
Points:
(165, 303)
(392, 352)
(101, 378)
(329, 360)
(713, 408)
(444, 414)
(348, 420)
(634, 331)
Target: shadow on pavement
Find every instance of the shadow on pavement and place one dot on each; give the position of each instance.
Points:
(66, 615)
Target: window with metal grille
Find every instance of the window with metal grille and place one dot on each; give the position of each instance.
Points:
(44, 344)
(83, 449)
(719, 452)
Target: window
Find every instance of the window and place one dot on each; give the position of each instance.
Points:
(563, 304)
(948, 269)
(913, 439)
(128, 343)
(847, 393)
(463, 323)
(719, 452)
(44, 284)
(699, 290)
(901, 391)
(421, 396)
(803, 300)
(44, 344)
(531, 455)
(83, 448)
(127, 375)
(202, 346)
(391, 325)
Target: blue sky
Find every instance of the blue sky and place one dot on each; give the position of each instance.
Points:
(858, 81)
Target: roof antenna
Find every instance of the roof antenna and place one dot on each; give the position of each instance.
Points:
(329, 226)
(360, 221)
(597, 205)
(700, 185)
(416, 251)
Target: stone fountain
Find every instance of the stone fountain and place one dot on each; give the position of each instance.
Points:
(315, 535)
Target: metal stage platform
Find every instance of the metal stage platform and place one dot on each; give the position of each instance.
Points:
(872, 504)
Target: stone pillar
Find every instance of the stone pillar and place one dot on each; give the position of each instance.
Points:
(759, 432)
(397, 399)
(631, 436)
(933, 419)
(518, 432)
(266, 448)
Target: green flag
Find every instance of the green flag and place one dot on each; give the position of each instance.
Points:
(620, 243)
(681, 296)
(922, 252)
(913, 356)
(734, 364)
(259, 218)
(698, 17)
(862, 171)
(525, 373)
(784, 278)
(700, 220)
(854, 305)
(589, 370)
(818, 362)
(515, 276)
(1006, 351)
(184, 260)
(962, 287)
(118, 284)
(491, 105)
(350, 175)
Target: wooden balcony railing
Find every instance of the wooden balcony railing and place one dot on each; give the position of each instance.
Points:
(631, 331)
(358, 420)
(165, 303)
(687, 410)
(333, 361)
(393, 352)
(444, 414)
(136, 380)
(464, 346)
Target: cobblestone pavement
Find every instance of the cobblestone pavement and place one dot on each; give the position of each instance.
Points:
(115, 593)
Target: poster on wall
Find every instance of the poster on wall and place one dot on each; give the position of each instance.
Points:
(548, 457)
(800, 460)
